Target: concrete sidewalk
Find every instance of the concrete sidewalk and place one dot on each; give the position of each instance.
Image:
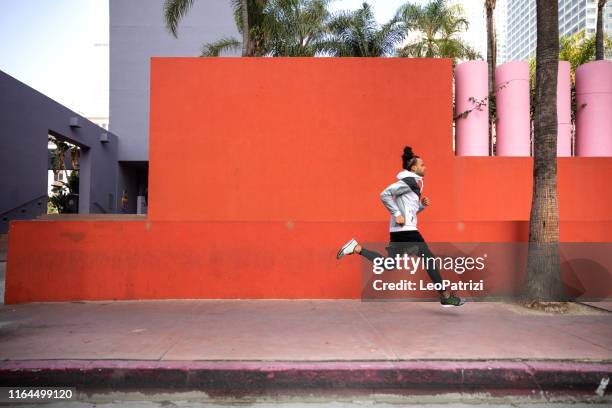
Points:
(264, 343)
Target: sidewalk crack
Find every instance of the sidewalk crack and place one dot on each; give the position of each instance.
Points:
(560, 330)
(377, 334)
(177, 330)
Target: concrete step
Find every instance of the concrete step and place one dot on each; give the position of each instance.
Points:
(91, 217)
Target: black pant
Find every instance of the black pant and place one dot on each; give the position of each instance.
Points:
(398, 245)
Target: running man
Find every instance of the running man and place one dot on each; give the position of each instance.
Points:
(403, 201)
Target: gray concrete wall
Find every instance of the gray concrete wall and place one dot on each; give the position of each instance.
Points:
(26, 119)
(137, 33)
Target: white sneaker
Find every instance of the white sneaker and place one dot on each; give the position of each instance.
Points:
(347, 249)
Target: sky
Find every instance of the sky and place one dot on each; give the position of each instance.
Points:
(60, 47)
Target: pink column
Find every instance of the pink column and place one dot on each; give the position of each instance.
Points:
(512, 126)
(564, 107)
(594, 109)
(471, 131)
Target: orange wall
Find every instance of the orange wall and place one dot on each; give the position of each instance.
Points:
(318, 139)
(261, 168)
(105, 260)
(500, 188)
(309, 139)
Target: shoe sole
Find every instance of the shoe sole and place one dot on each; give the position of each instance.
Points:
(340, 252)
(453, 305)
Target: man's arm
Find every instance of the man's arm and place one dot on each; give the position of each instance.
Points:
(423, 204)
(388, 197)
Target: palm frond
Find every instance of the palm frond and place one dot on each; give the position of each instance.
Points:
(255, 10)
(414, 49)
(356, 33)
(387, 38)
(174, 11)
(436, 25)
(216, 48)
(295, 27)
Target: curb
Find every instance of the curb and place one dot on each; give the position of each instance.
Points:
(256, 375)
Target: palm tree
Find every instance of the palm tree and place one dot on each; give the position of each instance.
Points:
(543, 279)
(577, 49)
(247, 13)
(276, 27)
(357, 34)
(491, 61)
(437, 25)
(295, 28)
(599, 35)
(224, 44)
(244, 15)
(491, 43)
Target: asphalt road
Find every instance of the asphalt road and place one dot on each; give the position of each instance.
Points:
(194, 399)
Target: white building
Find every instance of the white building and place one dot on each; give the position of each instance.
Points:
(574, 16)
(500, 15)
(476, 35)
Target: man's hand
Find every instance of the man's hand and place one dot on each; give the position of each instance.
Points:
(400, 220)
(425, 201)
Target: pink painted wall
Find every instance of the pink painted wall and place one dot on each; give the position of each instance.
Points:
(512, 90)
(564, 110)
(594, 109)
(471, 132)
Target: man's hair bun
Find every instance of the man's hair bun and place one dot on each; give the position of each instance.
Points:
(408, 158)
(408, 153)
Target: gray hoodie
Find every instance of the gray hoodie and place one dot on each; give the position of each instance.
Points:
(404, 198)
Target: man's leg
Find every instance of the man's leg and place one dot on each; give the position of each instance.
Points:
(402, 242)
(432, 271)
(447, 298)
(398, 245)
(368, 254)
(352, 247)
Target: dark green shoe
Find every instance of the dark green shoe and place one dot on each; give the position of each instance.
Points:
(452, 300)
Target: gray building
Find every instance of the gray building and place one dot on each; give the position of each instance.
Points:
(137, 33)
(574, 16)
(115, 160)
(27, 118)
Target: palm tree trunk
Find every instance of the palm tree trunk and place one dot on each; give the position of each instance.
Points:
(599, 43)
(543, 280)
(245, 28)
(491, 61)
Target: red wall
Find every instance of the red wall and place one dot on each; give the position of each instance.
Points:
(59, 261)
(261, 168)
(301, 139)
(317, 139)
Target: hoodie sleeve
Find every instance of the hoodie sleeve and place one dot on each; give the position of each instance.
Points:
(388, 197)
(421, 207)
